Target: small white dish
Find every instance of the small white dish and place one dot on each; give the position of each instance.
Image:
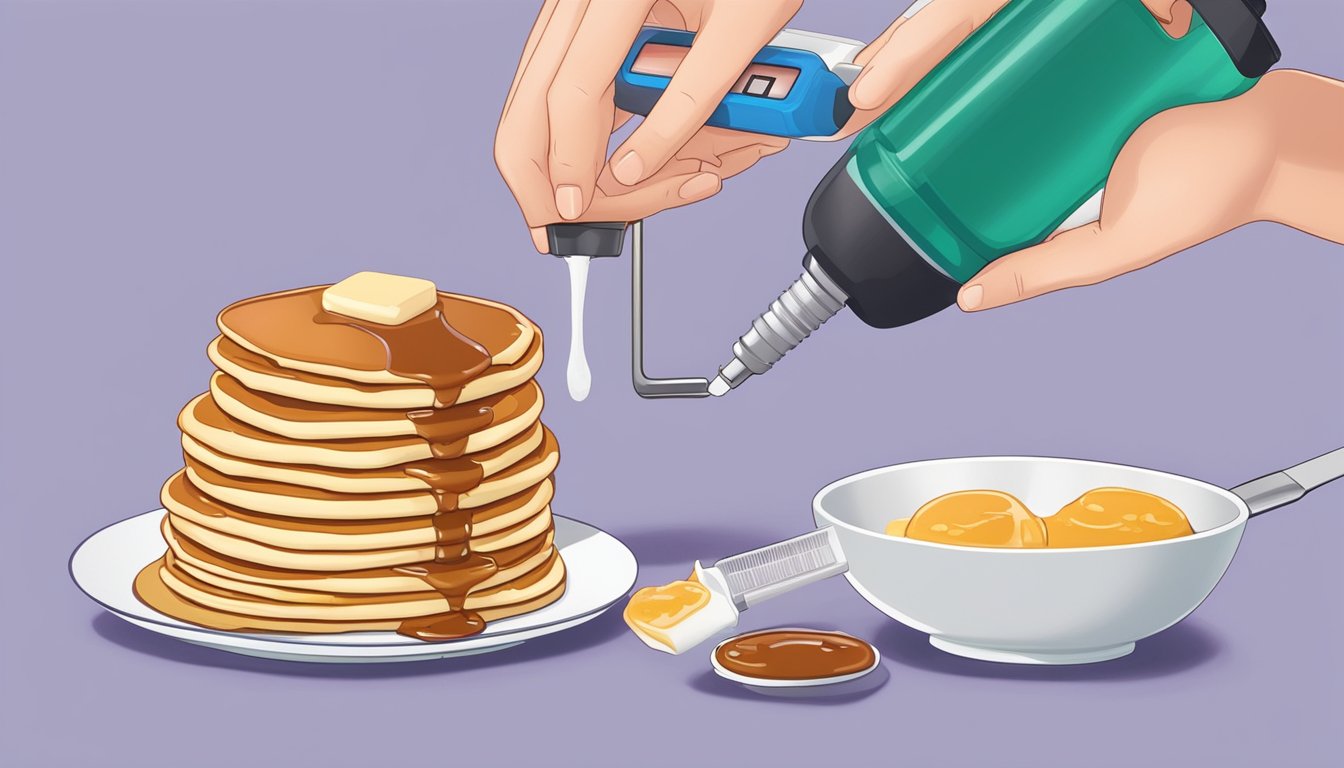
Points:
(600, 570)
(773, 683)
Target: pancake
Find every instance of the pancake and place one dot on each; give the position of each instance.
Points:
(186, 501)
(302, 420)
(203, 421)
(292, 500)
(346, 472)
(260, 374)
(292, 330)
(272, 556)
(300, 585)
(398, 606)
(368, 481)
(297, 591)
(203, 563)
(151, 590)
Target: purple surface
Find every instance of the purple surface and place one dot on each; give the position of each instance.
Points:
(161, 159)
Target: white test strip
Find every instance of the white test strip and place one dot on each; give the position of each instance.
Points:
(761, 574)
(577, 375)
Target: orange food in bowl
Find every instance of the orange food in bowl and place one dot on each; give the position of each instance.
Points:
(976, 519)
(1111, 516)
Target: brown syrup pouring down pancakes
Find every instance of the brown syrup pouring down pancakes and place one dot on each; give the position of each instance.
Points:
(429, 348)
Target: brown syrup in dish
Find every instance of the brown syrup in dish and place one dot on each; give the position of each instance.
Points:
(795, 654)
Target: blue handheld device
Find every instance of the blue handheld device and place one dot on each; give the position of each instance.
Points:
(796, 87)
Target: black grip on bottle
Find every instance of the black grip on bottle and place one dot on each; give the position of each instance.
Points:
(590, 238)
(888, 283)
(1238, 26)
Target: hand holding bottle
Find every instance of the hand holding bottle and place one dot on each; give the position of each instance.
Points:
(1190, 174)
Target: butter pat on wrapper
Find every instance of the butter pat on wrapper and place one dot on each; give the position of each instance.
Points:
(380, 298)
(709, 618)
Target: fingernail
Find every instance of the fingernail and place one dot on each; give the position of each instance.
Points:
(856, 92)
(971, 297)
(698, 186)
(568, 201)
(629, 169)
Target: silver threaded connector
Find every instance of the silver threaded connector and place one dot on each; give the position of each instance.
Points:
(811, 300)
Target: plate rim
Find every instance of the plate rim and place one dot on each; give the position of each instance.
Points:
(306, 640)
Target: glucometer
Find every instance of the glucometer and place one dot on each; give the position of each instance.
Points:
(1009, 138)
(797, 86)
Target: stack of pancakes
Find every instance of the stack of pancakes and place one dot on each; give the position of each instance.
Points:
(343, 475)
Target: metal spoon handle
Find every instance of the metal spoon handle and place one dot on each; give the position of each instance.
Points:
(1273, 491)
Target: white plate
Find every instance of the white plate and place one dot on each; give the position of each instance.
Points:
(599, 571)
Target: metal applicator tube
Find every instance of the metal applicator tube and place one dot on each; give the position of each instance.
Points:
(811, 300)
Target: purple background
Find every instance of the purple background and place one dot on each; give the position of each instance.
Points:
(159, 160)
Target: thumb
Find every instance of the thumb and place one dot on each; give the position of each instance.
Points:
(1080, 256)
(1186, 175)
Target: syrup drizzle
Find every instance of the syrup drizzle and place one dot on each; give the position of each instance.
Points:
(428, 349)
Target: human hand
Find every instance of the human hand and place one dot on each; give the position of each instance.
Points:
(1190, 174)
(914, 44)
(551, 145)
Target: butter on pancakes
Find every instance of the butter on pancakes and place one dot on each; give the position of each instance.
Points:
(345, 473)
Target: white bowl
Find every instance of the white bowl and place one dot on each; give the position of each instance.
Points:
(1038, 606)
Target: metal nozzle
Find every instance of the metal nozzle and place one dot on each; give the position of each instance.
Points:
(811, 300)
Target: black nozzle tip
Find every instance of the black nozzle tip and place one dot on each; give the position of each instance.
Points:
(590, 238)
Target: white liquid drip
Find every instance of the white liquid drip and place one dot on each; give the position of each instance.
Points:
(579, 378)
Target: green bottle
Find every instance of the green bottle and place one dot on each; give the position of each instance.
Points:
(993, 150)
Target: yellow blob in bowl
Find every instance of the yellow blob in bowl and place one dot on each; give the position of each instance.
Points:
(1111, 516)
(976, 519)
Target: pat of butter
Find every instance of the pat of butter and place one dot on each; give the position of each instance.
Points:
(676, 617)
(380, 298)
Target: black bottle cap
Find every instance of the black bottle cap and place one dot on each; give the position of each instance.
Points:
(1238, 26)
(887, 281)
(590, 238)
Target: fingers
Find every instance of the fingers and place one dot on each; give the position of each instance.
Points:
(696, 173)
(1173, 15)
(711, 144)
(870, 50)
(914, 47)
(724, 46)
(1186, 175)
(539, 240)
(738, 160)
(578, 102)
(656, 195)
(521, 142)
(533, 38)
(1080, 256)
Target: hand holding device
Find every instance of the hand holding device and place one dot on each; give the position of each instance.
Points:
(551, 146)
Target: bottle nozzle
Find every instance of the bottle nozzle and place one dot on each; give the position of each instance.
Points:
(811, 300)
(719, 386)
